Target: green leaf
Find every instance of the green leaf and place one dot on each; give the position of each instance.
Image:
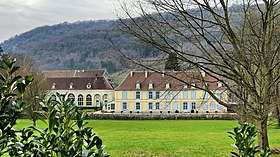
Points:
(87, 153)
(98, 143)
(21, 88)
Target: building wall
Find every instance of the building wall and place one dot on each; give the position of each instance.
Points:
(168, 101)
(84, 93)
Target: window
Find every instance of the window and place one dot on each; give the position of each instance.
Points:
(80, 100)
(71, 96)
(193, 85)
(150, 105)
(53, 86)
(150, 85)
(137, 106)
(88, 100)
(167, 86)
(185, 95)
(71, 86)
(175, 95)
(185, 106)
(112, 106)
(220, 107)
(157, 106)
(124, 95)
(220, 84)
(157, 95)
(150, 95)
(193, 105)
(205, 95)
(219, 95)
(137, 95)
(193, 94)
(167, 96)
(205, 106)
(137, 85)
(97, 100)
(105, 96)
(185, 86)
(124, 106)
(89, 86)
(212, 106)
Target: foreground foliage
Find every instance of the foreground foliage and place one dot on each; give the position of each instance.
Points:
(66, 134)
(244, 137)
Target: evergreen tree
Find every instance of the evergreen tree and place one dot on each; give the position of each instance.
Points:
(172, 62)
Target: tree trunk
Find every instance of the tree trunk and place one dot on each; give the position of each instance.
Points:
(278, 115)
(34, 122)
(262, 134)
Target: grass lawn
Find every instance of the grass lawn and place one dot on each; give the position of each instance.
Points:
(167, 137)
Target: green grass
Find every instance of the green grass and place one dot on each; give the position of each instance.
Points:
(167, 137)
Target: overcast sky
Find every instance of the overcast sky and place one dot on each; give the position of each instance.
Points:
(18, 16)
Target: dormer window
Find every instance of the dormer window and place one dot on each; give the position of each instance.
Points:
(137, 85)
(205, 84)
(167, 86)
(193, 85)
(53, 86)
(71, 86)
(185, 86)
(88, 85)
(151, 86)
(220, 84)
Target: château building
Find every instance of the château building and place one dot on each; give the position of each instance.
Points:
(146, 91)
(88, 88)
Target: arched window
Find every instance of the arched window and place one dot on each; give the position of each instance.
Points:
(71, 96)
(80, 100)
(105, 98)
(88, 100)
(97, 100)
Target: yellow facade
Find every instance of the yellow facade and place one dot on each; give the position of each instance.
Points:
(168, 101)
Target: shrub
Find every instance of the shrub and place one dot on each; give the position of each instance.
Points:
(244, 137)
(66, 133)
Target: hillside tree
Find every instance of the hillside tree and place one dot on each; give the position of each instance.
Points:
(172, 62)
(235, 43)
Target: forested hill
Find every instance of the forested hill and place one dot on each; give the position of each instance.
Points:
(80, 45)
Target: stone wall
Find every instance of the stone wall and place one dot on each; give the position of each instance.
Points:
(163, 116)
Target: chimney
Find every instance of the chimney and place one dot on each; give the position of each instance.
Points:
(131, 73)
(146, 74)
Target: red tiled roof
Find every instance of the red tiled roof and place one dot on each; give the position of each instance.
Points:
(79, 83)
(160, 80)
(75, 73)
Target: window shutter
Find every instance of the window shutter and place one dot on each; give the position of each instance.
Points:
(147, 106)
(160, 106)
(134, 107)
(140, 95)
(121, 106)
(140, 106)
(134, 95)
(147, 95)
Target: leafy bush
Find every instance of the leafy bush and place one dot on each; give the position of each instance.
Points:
(244, 137)
(66, 133)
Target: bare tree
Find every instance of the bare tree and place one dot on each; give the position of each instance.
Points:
(236, 44)
(37, 90)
